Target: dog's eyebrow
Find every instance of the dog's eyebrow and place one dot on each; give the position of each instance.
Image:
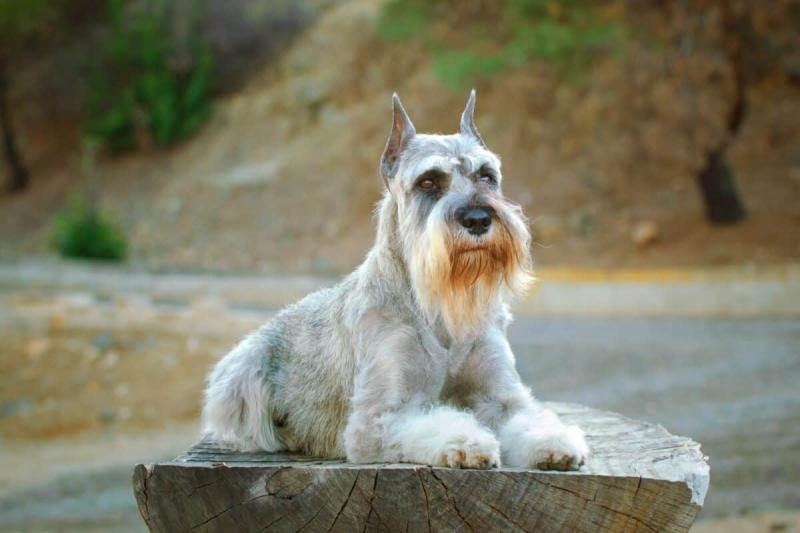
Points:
(467, 164)
(470, 164)
(433, 171)
(443, 164)
(464, 163)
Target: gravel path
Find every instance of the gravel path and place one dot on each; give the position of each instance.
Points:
(730, 384)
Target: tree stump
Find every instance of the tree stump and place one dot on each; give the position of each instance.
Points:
(639, 478)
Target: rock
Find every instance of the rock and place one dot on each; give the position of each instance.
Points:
(250, 174)
(208, 306)
(103, 341)
(122, 389)
(79, 299)
(111, 359)
(331, 116)
(142, 344)
(312, 91)
(548, 229)
(169, 360)
(192, 344)
(56, 322)
(35, 348)
(583, 223)
(91, 353)
(106, 415)
(174, 205)
(322, 265)
(15, 407)
(645, 233)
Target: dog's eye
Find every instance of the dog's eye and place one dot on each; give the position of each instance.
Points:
(487, 178)
(431, 181)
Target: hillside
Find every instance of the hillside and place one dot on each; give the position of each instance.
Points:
(284, 176)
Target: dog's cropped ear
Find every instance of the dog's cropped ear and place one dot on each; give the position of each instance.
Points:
(402, 132)
(468, 121)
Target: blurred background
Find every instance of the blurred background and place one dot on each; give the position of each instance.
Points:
(172, 172)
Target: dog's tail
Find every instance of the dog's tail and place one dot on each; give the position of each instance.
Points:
(238, 411)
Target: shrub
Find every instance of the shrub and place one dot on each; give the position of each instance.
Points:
(566, 33)
(83, 232)
(457, 68)
(135, 83)
(403, 19)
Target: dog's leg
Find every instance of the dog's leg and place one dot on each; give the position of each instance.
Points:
(531, 435)
(437, 435)
(534, 436)
(394, 417)
(440, 436)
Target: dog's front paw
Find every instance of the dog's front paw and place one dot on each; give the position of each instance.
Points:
(560, 448)
(480, 451)
(565, 449)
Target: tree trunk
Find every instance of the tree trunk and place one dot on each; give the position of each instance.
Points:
(18, 173)
(639, 478)
(716, 180)
(720, 196)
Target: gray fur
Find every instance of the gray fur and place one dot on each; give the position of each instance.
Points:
(396, 363)
(468, 126)
(402, 132)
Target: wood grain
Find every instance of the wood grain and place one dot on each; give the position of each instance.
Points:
(639, 478)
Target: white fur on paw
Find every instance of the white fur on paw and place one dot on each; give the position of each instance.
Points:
(560, 448)
(472, 451)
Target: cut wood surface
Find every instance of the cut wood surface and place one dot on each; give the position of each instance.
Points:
(639, 478)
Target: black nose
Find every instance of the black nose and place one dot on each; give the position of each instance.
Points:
(476, 219)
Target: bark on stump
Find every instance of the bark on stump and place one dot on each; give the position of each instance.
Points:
(639, 478)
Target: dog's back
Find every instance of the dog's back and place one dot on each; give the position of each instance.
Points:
(287, 385)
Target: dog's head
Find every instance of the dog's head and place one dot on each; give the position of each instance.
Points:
(465, 246)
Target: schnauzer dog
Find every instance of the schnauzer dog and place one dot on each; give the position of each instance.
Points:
(405, 360)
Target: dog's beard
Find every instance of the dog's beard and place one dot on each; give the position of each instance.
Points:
(460, 278)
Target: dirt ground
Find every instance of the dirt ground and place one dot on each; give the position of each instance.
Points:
(778, 522)
(92, 382)
(283, 179)
(72, 365)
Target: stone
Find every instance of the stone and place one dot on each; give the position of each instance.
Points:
(645, 233)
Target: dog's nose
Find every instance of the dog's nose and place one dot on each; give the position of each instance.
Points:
(476, 219)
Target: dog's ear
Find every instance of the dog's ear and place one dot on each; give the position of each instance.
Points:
(402, 132)
(468, 121)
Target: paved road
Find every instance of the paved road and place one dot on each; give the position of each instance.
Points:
(732, 385)
(81, 484)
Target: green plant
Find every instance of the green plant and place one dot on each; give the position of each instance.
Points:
(403, 19)
(565, 33)
(569, 43)
(457, 68)
(136, 85)
(83, 232)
